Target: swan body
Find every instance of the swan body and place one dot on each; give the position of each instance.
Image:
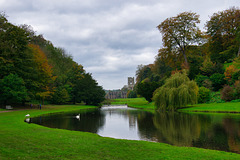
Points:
(78, 116)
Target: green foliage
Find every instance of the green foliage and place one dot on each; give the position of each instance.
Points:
(146, 89)
(203, 95)
(200, 79)
(218, 80)
(236, 76)
(131, 94)
(12, 89)
(142, 73)
(237, 90)
(207, 67)
(227, 93)
(223, 28)
(60, 95)
(179, 32)
(215, 97)
(177, 92)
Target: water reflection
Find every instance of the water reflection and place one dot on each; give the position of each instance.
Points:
(219, 131)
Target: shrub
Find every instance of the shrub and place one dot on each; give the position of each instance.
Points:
(207, 84)
(215, 97)
(227, 94)
(236, 76)
(237, 90)
(200, 79)
(203, 95)
(217, 81)
(230, 70)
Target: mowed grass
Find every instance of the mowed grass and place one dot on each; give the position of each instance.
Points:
(230, 107)
(140, 103)
(20, 140)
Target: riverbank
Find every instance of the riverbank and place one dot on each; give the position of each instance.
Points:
(20, 140)
(141, 103)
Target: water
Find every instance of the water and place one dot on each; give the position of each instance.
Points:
(212, 131)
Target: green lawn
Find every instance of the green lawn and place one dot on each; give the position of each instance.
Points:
(230, 107)
(140, 103)
(19, 140)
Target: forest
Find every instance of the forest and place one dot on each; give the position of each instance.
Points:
(194, 66)
(33, 70)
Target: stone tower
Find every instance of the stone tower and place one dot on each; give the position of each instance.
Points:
(130, 83)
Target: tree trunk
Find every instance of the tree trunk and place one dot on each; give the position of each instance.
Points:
(185, 59)
(239, 51)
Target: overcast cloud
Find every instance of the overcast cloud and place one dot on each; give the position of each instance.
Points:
(110, 38)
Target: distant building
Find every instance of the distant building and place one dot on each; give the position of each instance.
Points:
(115, 94)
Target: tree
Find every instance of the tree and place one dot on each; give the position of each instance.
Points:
(218, 80)
(180, 32)
(89, 91)
(44, 73)
(143, 72)
(146, 89)
(224, 31)
(177, 92)
(12, 89)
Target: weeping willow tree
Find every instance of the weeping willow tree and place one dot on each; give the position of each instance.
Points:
(177, 92)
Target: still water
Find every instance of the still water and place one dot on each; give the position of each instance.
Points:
(212, 131)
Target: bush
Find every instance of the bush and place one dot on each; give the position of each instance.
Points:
(227, 94)
(236, 76)
(207, 84)
(131, 94)
(215, 97)
(237, 90)
(203, 95)
(217, 81)
(200, 79)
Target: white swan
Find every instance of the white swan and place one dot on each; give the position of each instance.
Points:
(78, 116)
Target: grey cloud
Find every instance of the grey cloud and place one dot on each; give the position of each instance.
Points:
(110, 38)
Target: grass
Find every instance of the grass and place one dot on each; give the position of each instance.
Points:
(140, 103)
(19, 140)
(230, 107)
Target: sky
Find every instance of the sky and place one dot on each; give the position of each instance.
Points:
(110, 38)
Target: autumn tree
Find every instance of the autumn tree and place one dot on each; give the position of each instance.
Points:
(224, 32)
(180, 32)
(44, 73)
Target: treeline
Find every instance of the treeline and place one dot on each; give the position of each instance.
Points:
(32, 69)
(209, 58)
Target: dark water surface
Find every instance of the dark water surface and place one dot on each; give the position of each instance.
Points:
(212, 131)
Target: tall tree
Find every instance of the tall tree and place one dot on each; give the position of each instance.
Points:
(223, 30)
(179, 32)
(12, 89)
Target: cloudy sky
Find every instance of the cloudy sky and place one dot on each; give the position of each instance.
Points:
(110, 38)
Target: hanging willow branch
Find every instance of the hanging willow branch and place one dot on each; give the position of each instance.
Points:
(177, 92)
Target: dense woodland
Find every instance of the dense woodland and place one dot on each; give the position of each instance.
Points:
(33, 70)
(208, 58)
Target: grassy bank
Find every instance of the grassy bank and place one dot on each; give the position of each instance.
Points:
(19, 140)
(140, 103)
(230, 107)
